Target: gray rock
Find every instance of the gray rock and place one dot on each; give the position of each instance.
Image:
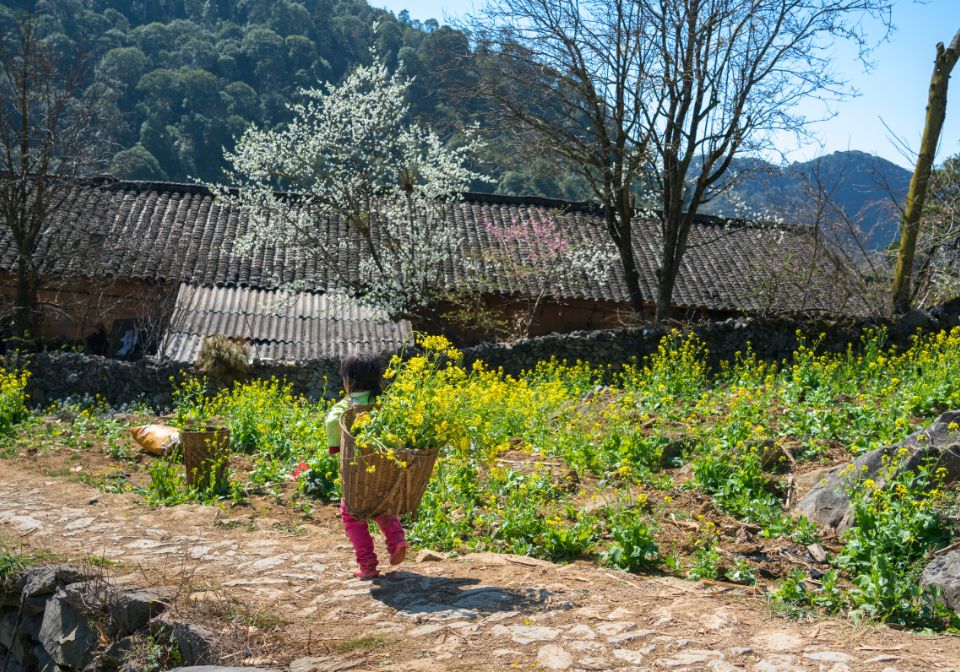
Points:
(8, 625)
(828, 504)
(131, 611)
(35, 605)
(45, 580)
(44, 661)
(915, 319)
(11, 664)
(114, 655)
(66, 633)
(194, 642)
(943, 572)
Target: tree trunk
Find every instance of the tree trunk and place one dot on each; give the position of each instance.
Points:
(25, 315)
(631, 276)
(622, 233)
(667, 273)
(910, 224)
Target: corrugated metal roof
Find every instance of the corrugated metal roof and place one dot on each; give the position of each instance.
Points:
(278, 326)
(177, 233)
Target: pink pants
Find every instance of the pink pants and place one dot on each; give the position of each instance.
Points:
(359, 534)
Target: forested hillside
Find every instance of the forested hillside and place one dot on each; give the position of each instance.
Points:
(187, 76)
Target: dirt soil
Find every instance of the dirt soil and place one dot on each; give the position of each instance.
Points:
(289, 584)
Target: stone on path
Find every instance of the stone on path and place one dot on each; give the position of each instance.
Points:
(722, 666)
(778, 640)
(424, 630)
(426, 555)
(828, 656)
(628, 656)
(687, 658)
(778, 663)
(580, 631)
(526, 634)
(554, 657)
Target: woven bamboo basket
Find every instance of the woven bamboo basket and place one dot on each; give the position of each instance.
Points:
(388, 489)
(202, 450)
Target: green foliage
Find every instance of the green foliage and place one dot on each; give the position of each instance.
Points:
(635, 547)
(896, 525)
(706, 564)
(281, 431)
(12, 563)
(188, 78)
(13, 400)
(193, 407)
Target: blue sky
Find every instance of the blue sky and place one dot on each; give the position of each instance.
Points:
(893, 92)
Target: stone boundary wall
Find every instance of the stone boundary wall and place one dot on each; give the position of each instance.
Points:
(62, 375)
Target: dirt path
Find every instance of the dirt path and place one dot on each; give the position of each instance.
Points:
(478, 612)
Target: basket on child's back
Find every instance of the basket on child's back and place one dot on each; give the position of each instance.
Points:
(374, 484)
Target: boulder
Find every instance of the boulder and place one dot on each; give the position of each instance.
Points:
(10, 664)
(194, 642)
(828, 504)
(131, 611)
(943, 572)
(115, 654)
(67, 634)
(8, 625)
(44, 661)
(45, 580)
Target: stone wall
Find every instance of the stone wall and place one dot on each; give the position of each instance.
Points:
(771, 339)
(64, 375)
(61, 375)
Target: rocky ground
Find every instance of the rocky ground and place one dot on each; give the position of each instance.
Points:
(291, 589)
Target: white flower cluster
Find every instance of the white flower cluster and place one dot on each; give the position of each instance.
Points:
(350, 156)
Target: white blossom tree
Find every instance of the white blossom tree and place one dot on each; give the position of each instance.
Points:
(351, 155)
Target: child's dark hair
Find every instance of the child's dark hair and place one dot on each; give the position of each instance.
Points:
(362, 371)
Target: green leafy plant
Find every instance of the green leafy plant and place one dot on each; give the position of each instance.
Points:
(635, 547)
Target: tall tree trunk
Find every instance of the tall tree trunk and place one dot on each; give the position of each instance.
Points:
(910, 224)
(25, 315)
(621, 228)
(668, 271)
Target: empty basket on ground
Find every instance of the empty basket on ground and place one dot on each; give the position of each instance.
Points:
(388, 488)
(203, 450)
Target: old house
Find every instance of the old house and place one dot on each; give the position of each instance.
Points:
(150, 266)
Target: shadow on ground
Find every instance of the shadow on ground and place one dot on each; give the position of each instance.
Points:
(439, 598)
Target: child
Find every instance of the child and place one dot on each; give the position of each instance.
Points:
(362, 374)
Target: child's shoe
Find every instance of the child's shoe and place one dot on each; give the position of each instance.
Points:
(398, 554)
(365, 573)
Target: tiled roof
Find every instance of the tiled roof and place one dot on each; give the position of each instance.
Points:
(278, 326)
(176, 233)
